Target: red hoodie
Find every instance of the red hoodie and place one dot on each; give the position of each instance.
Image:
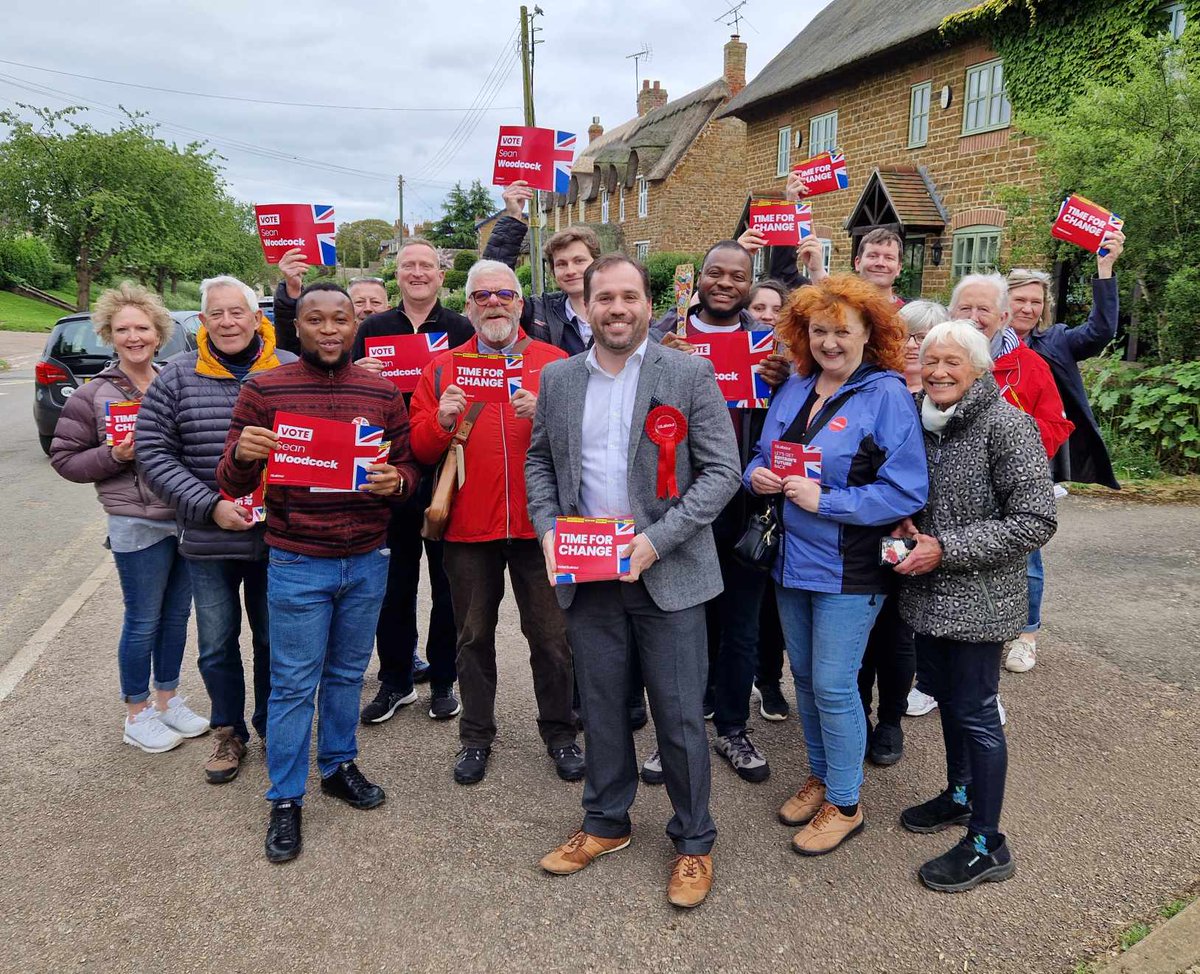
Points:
(1026, 382)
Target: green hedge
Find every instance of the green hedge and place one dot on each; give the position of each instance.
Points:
(456, 280)
(455, 301)
(464, 259)
(27, 260)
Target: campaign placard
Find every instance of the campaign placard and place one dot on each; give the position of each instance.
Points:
(1084, 224)
(488, 378)
(323, 453)
(781, 223)
(404, 356)
(588, 549)
(734, 356)
(685, 281)
(824, 173)
(309, 226)
(254, 502)
(541, 157)
(120, 418)
(795, 460)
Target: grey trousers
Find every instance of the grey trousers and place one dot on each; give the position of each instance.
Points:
(673, 650)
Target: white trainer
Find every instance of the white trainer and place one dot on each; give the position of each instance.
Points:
(149, 733)
(1003, 715)
(919, 704)
(1022, 654)
(182, 719)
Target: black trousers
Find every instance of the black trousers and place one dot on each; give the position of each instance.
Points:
(890, 658)
(964, 678)
(770, 638)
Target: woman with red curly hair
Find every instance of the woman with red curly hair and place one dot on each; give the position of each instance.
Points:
(842, 455)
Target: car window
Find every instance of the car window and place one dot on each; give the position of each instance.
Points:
(183, 337)
(77, 339)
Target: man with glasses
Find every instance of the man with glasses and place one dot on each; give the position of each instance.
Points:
(489, 528)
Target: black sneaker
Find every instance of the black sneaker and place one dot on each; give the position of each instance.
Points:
(568, 761)
(420, 669)
(283, 833)
(938, 813)
(349, 784)
(887, 745)
(638, 717)
(710, 705)
(444, 705)
(771, 702)
(967, 865)
(385, 704)
(471, 765)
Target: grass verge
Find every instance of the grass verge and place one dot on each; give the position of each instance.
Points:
(26, 314)
(1149, 490)
(1135, 933)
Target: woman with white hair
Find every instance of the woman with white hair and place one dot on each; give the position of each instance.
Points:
(918, 317)
(991, 502)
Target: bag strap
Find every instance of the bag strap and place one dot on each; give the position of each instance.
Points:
(798, 432)
(468, 422)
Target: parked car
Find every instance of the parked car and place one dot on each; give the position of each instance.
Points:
(267, 307)
(74, 355)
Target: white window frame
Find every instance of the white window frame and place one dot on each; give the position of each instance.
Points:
(823, 133)
(783, 152)
(826, 252)
(621, 205)
(643, 191)
(758, 263)
(918, 114)
(604, 206)
(973, 236)
(641, 250)
(985, 103)
(1176, 19)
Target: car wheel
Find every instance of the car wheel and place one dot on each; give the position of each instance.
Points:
(45, 441)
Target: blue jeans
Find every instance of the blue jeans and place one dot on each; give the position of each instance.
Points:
(157, 592)
(323, 616)
(1035, 580)
(826, 635)
(215, 588)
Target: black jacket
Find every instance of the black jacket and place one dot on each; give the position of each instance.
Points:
(782, 267)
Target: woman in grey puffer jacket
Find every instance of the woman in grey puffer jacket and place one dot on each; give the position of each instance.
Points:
(991, 502)
(155, 583)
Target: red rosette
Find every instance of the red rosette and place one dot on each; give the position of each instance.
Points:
(666, 427)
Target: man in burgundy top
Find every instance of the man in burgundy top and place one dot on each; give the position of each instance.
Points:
(328, 560)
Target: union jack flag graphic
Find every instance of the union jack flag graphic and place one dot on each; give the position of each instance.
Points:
(438, 341)
(838, 161)
(623, 534)
(323, 223)
(564, 153)
(810, 456)
(514, 373)
(370, 447)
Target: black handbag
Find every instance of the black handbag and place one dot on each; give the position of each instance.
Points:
(758, 546)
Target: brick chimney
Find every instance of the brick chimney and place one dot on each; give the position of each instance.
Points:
(595, 130)
(735, 64)
(650, 98)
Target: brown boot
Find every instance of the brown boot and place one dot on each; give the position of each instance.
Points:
(579, 851)
(828, 830)
(226, 758)
(691, 879)
(803, 805)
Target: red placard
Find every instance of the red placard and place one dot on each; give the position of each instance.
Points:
(588, 549)
(780, 223)
(541, 157)
(309, 226)
(404, 356)
(323, 453)
(1084, 223)
(120, 418)
(488, 378)
(254, 502)
(734, 355)
(824, 173)
(795, 459)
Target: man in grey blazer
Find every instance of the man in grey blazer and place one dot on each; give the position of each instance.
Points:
(590, 456)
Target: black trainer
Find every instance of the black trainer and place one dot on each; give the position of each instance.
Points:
(471, 765)
(887, 745)
(710, 704)
(421, 670)
(967, 865)
(443, 704)
(638, 717)
(348, 784)
(385, 704)
(283, 833)
(568, 761)
(771, 702)
(938, 813)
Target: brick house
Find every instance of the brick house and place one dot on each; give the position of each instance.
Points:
(925, 127)
(670, 179)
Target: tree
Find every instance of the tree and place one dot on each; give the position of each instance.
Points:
(358, 242)
(462, 209)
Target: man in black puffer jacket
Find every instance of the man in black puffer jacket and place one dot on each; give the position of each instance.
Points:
(181, 431)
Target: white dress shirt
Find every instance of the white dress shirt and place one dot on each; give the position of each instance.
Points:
(585, 330)
(607, 416)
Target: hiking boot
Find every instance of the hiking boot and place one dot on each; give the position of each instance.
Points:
(691, 879)
(225, 761)
(652, 772)
(967, 865)
(350, 785)
(952, 807)
(828, 830)
(182, 719)
(771, 702)
(919, 704)
(146, 731)
(471, 765)
(284, 840)
(579, 851)
(443, 704)
(887, 745)
(747, 760)
(568, 761)
(802, 806)
(385, 704)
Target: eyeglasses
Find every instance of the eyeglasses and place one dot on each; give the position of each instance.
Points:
(505, 296)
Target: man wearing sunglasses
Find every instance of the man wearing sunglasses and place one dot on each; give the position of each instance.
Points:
(489, 528)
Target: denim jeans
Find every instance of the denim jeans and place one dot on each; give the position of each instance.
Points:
(1035, 580)
(732, 622)
(323, 615)
(890, 658)
(826, 635)
(157, 592)
(215, 588)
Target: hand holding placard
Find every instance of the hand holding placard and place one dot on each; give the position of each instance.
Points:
(310, 227)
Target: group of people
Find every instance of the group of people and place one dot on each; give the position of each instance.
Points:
(910, 545)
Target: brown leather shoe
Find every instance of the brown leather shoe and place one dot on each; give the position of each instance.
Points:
(579, 851)
(828, 830)
(691, 879)
(803, 805)
(226, 758)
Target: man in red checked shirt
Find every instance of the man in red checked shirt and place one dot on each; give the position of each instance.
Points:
(328, 560)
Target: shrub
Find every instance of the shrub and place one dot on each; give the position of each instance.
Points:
(60, 274)
(26, 260)
(456, 280)
(464, 259)
(455, 301)
(662, 274)
(525, 276)
(1179, 334)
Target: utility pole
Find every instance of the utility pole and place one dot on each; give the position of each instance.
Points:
(535, 208)
(400, 226)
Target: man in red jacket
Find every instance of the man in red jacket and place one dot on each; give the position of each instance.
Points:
(328, 558)
(489, 528)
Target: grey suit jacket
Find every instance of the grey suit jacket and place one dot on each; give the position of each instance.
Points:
(706, 464)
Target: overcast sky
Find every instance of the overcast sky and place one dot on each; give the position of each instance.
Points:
(402, 54)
